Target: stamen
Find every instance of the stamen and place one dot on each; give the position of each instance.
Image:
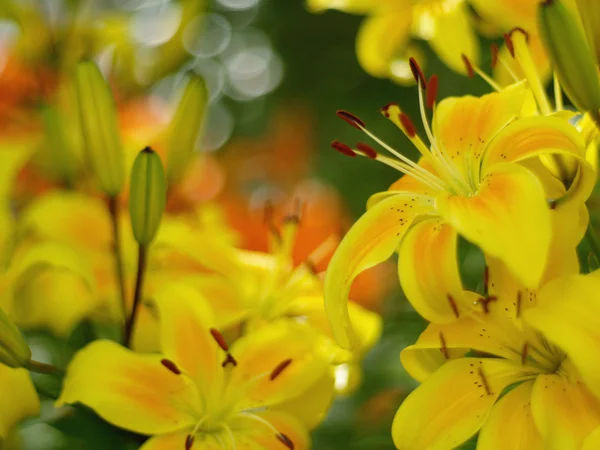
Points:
(509, 44)
(280, 368)
(524, 353)
(285, 440)
(350, 118)
(444, 348)
(343, 149)
(219, 339)
(411, 131)
(518, 305)
(189, 442)
(471, 69)
(417, 72)
(432, 88)
(231, 437)
(385, 109)
(453, 305)
(484, 381)
(558, 98)
(424, 116)
(229, 359)
(393, 112)
(485, 302)
(367, 150)
(494, 51)
(170, 365)
(468, 66)
(486, 279)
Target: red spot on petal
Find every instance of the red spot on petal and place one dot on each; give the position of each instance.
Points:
(417, 72)
(408, 126)
(468, 66)
(280, 368)
(285, 441)
(351, 119)
(494, 50)
(171, 366)
(432, 88)
(367, 150)
(343, 148)
(219, 339)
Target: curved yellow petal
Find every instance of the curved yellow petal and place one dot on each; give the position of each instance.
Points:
(512, 412)
(18, 398)
(508, 13)
(185, 322)
(464, 126)
(128, 390)
(566, 312)
(380, 39)
(592, 441)
(565, 412)
(508, 218)
(452, 405)
(355, 6)
(451, 35)
(428, 271)
(371, 240)
(283, 423)
(259, 353)
(177, 441)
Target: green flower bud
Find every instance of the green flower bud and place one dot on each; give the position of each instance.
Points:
(590, 18)
(58, 146)
(148, 195)
(571, 55)
(14, 351)
(99, 127)
(185, 128)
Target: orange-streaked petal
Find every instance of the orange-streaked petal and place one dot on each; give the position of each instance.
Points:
(284, 423)
(512, 412)
(428, 271)
(371, 240)
(186, 319)
(453, 404)
(592, 441)
(565, 412)
(508, 218)
(567, 312)
(129, 390)
(18, 398)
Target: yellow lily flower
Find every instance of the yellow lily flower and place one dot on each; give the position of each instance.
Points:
(549, 404)
(385, 40)
(472, 180)
(199, 393)
(19, 399)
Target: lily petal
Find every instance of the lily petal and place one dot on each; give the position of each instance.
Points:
(129, 390)
(592, 442)
(508, 218)
(512, 412)
(371, 240)
(453, 404)
(565, 412)
(567, 311)
(19, 399)
(284, 423)
(428, 271)
(177, 440)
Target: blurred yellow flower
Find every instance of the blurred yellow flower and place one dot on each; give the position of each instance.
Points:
(199, 393)
(513, 378)
(386, 38)
(18, 398)
(471, 181)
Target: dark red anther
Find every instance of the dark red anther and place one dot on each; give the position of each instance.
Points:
(468, 66)
(384, 109)
(453, 305)
(524, 353)
(509, 44)
(518, 305)
(171, 366)
(520, 30)
(219, 339)
(407, 124)
(484, 381)
(350, 118)
(432, 88)
(367, 150)
(485, 303)
(189, 442)
(486, 279)
(343, 148)
(417, 72)
(280, 368)
(285, 441)
(494, 51)
(229, 359)
(443, 346)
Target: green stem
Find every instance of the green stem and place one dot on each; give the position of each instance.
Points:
(40, 367)
(592, 239)
(113, 208)
(138, 293)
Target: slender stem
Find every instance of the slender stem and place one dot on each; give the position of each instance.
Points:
(113, 207)
(40, 367)
(592, 239)
(138, 294)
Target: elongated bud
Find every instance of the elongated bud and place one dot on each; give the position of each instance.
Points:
(148, 195)
(185, 128)
(58, 146)
(570, 55)
(99, 127)
(590, 18)
(14, 351)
